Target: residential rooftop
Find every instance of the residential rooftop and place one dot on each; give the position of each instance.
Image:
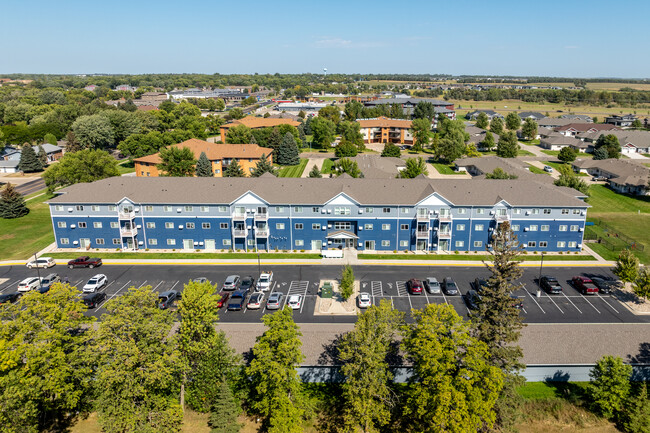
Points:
(214, 151)
(260, 122)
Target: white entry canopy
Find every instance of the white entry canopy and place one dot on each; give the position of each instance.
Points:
(341, 234)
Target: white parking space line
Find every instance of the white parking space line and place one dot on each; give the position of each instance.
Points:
(568, 299)
(401, 288)
(76, 284)
(157, 285)
(112, 296)
(6, 287)
(591, 305)
(554, 303)
(424, 291)
(172, 288)
(103, 289)
(534, 300)
(304, 297)
(142, 285)
(444, 297)
(610, 306)
(377, 288)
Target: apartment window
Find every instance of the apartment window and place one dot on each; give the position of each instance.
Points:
(151, 225)
(479, 227)
(94, 208)
(189, 208)
(342, 225)
(299, 242)
(576, 211)
(532, 228)
(480, 211)
(369, 210)
(545, 227)
(297, 209)
(535, 211)
(169, 225)
(386, 210)
(61, 224)
(561, 244)
(58, 207)
(460, 244)
(341, 211)
(148, 208)
(279, 209)
(315, 210)
(205, 209)
(171, 241)
(404, 226)
(99, 241)
(117, 241)
(385, 226)
(189, 226)
(315, 226)
(573, 244)
(367, 226)
(298, 226)
(515, 227)
(152, 241)
(114, 225)
(565, 211)
(543, 244)
(64, 241)
(223, 208)
(478, 244)
(516, 211)
(547, 211)
(460, 227)
(223, 225)
(405, 210)
(250, 242)
(82, 225)
(205, 226)
(79, 208)
(167, 208)
(403, 243)
(574, 228)
(97, 225)
(279, 226)
(112, 208)
(462, 210)
(385, 243)
(531, 244)
(563, 228)
(226, 242)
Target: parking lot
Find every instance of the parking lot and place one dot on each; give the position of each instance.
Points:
(382, 282)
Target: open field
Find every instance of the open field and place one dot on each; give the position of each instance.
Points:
(462, 107)
(293, 170)
(21, 237)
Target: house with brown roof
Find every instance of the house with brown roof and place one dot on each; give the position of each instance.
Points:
(385, 130)
(573, 129)
(559, 142)
(253, 122)
(220, 155)
(631, 141)
(625, 177)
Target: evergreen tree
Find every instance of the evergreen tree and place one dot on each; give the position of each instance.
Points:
(482, 120)
(275, 138)
(496, 125)
(225, 411)
(627, 266)
(301, 134)
(609, 387)
(252, 140)
(308, 126)
(600, 153)
(391, 150)
(315, 172)
(204, 166)
(424, 110)
(12, 203)
(641, 285)
(508, 147)
(234, 170)
(488, 142)
(637, 412)
(42, 156)
(610, 143)
(287, 153)
(263, 166)
(513, 122)
(29, 162)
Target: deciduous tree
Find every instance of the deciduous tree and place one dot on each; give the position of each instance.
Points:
(414, 168)
(353, 110)
(421, 129)
(424, 110)
(177, 162)
(93, 132)
(351, 134)
(345, 150)
(346, 165)
(323, 131)
(499, 173)
(569, 178)
(610, 143)
(330, 113)
(642, 284)
(87, 165)
(488, 142)
(529, 129)
(482, 120)
(508, 147)
(391, 150)
(627, 266)
(240, 134)
(204, 166)
(513, 122)
(567, 154)
(496, 125)
(12, 203)
(609, 386)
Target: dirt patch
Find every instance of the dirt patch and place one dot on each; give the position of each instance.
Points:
(633, 303)
(336, 306)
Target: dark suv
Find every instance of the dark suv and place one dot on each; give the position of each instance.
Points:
(449, 287)
(550, 284)
(92, 300)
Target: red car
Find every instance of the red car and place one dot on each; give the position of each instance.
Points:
(414, 286)
(584, 285)
(223, 295)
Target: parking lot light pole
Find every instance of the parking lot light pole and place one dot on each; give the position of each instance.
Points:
(36, 265)
(539, 280)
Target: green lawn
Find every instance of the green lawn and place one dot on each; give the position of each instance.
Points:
(182, 255)
(446, 168)
(534, 142)
(126, 167)
(293, 170)
(477, 257)
(555, 153)
(22, 237)
(327, 166)
(557, 164)
(521, 152)
(543, 390)
(536, 170)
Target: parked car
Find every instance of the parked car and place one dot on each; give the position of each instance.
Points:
(95, 283)
(364, 300)
(92, 300)
(295, 302)
(414, 286)
(274, 301)
(449, 287)
(584, 285)
(550, 284)
(604, 285)
(48, 280)
(41, 262)
(548, 169)
(223, 298)
(31, 283)
(237, 300)
(232, 282)
(479, 284)
(264, 281)
(84, 262)
(431, 285)
(247, 283)
(200, 280)
(517, 302)
(255, 301)
(472, 299)
(167, 299)
(9, 298)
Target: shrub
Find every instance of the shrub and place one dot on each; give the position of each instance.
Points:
(347, 282)
(456, 252)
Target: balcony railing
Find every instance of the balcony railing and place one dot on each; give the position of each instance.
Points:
(261, 216)
(239, 216)
(444, 234)
(422, 234)
(445, 217)
(501, 218)
(126, 215)
(262, 232)
(239, 233)
(423, 216)
(128, 231)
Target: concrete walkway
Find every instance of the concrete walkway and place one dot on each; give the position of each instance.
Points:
(318, 162)
(534, 149)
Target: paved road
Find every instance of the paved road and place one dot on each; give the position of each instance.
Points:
(31, 186)
(382, 282)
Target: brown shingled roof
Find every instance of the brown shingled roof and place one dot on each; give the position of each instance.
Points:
(384, 122)
(214, 151)
(260, 122)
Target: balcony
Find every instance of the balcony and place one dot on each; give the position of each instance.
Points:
(128, 231)
(261, 216)
(239, 232)
(261, 232)
(444, 234)
(239, 217)
(501, 218)
(126, 215)
(423, 217)
(445, 217)
(422, 234)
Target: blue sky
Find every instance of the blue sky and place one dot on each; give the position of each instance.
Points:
(573, 38)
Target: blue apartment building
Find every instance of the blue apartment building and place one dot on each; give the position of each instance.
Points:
(268, 213)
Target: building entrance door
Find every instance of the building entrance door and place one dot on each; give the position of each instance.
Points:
(316, 245)
(444, 245)
(188, 244)
(209, 244)
(421, 245)
(130, 244)
(370, 245)
(84, 243)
